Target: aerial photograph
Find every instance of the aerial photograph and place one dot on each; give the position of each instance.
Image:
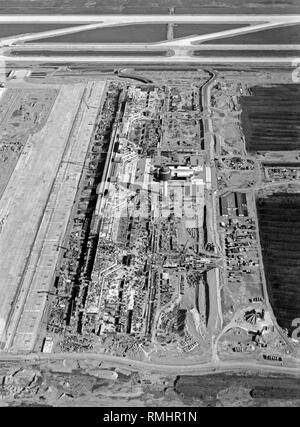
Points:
(149, 206)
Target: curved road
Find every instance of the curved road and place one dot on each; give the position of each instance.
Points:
(192, 369)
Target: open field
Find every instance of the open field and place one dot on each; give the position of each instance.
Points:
(7, 30)
(270, 118)
(286, 35)
(22, 112)
(82, 383)
(124, 34)
(279, 227)
(246, 53)
(136, 6)
(185, 30)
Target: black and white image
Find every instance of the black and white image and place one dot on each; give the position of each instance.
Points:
(149, 205)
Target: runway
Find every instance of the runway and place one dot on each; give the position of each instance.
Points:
(175, 59)
(178, 50)
(252, 23)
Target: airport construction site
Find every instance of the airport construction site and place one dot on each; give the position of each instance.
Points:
(128, 216)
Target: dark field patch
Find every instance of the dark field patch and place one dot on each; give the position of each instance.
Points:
(7, 30)
(259, 388)
(142, 7)
(184, 30)
(279, 229)
(248, 53)
(270, 118)
(262, 392)
(181, 318)
(95, 53)
(124, 34)
(283, 35)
